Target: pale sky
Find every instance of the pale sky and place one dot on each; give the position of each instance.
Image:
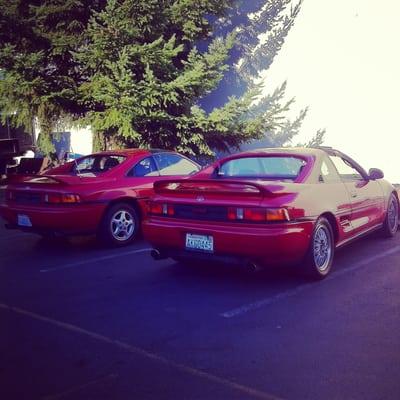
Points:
(342, 59)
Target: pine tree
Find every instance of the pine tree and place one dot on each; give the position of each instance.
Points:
(40, 75)
(147, 76)
(139, 71)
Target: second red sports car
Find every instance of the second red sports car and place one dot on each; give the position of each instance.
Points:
(102, 193)
(271, 206)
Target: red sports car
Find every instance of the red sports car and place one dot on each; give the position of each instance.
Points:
(102, 193)
(271, 206)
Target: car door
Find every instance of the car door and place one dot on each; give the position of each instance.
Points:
(143, 174)
(336, 197)
(367, 200)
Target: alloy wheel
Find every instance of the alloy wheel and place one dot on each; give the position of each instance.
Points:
(122, 225)
(322, 248)
(393, 215)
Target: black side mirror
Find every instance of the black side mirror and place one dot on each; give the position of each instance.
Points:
(375, 173)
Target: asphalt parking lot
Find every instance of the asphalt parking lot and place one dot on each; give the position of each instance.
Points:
(78, 321)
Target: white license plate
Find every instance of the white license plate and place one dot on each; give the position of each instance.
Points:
(199, 242)
(24, 220)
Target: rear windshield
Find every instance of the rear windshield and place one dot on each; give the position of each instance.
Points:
(96, 164)
(275, 167)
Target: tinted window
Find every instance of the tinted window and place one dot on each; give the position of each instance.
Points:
(145, 167)
(97, 163)
(346, 171)
(263, 167)
(174, 164)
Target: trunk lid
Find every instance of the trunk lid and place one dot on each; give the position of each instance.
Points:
(32, 189)
(222, 190)
(211, 199)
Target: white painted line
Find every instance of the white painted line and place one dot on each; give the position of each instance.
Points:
(94, 260)
(299, 289)
(257, 394)
(80, 387)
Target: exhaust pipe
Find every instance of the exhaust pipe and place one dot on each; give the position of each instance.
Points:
(158, 255)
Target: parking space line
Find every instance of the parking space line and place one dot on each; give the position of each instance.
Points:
(96, 259)
(301, 288)
(257, 394)
(80, 387)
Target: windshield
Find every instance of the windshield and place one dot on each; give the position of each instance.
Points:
(95, 164)
(274, 167)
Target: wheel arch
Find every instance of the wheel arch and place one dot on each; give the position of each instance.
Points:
(332, 221)
(396, 194)
(127, 200)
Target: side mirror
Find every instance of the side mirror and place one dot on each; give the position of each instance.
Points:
(375, 173)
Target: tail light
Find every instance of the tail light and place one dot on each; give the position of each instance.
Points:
(61, 198)
(258, 214)
(160, 208)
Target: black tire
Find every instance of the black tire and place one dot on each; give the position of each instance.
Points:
(318, 261)
(120, 225)
(391, 223)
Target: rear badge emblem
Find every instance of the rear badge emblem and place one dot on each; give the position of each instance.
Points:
(200, 198)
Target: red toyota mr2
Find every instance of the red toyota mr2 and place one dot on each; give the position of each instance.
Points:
(271, 206)
(102, 193)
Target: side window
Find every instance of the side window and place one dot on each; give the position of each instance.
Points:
(97, 163)
(146, 167)
(346, 171)
(85, 164)
(174, 164)
(328, 172)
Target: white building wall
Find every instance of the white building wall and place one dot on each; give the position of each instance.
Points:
(81, 140)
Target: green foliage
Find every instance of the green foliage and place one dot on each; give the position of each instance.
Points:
(40, 75)
(135, 71)
(146, 77)
(316, 140)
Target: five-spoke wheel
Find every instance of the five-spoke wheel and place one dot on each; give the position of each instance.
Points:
(120, 225)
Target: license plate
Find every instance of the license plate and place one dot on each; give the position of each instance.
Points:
(199, 242)
(24, 220)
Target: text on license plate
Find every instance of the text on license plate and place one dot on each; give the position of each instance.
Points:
(24, 220)
(199, 242)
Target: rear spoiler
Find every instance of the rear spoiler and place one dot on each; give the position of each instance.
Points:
(33, 179)
(209, 186)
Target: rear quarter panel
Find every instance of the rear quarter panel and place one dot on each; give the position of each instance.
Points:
(315, 199)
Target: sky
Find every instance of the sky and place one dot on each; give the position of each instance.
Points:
(342, 59)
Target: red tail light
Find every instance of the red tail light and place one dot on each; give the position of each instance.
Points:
(258, 214)
(160, 208)
(64, 198)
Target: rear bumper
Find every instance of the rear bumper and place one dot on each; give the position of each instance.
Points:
(71, 219)
(267, 244)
